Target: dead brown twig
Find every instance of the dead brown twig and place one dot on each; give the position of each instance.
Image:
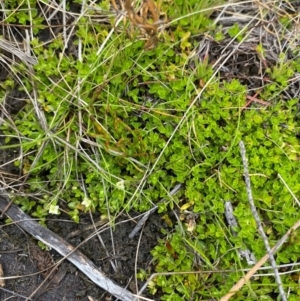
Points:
(254, 99)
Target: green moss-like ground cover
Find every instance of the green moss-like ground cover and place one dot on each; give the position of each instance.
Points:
(100, 130)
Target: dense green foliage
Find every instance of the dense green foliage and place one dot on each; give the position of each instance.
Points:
(111, 117)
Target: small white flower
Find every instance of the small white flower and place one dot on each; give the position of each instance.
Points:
(121, 185)
(86, 202)
(54, 209)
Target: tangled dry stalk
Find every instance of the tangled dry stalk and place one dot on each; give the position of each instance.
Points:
(147, 18)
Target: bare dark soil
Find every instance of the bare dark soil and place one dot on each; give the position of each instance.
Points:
(28, 265)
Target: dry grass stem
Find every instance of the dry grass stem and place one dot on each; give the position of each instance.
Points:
(258, 221)
(263, 260)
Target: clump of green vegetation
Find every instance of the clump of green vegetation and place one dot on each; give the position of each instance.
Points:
(104, 117)
(270, 135)
(108, 116)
